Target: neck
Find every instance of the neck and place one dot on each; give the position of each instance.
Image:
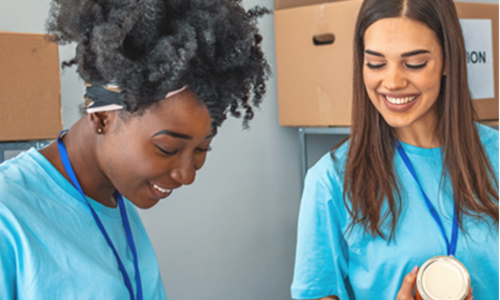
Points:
(422, 133)
(80, 144)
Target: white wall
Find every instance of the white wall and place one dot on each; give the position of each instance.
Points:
(230, 235)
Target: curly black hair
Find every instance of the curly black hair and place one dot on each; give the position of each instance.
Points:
(151, 47)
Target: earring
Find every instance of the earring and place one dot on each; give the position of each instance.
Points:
(99, 130)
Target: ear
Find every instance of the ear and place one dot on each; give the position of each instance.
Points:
(100, 121)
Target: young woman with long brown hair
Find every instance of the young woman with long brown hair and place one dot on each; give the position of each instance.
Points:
(365, 225)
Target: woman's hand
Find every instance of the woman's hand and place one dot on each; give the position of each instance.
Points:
(406, 290)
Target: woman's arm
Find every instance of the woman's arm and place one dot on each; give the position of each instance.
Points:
(321, 262)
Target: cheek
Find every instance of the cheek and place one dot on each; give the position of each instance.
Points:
(430, 84)
(139, 161)
(370, 80)
(199, 160)
(153, 165)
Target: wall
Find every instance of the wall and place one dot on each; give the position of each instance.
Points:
(231, 235)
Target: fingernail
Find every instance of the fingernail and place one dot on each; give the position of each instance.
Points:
(414, 270)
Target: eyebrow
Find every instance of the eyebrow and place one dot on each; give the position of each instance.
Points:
(407, 54)
(374, 53)
(179, 135)
(416, 52)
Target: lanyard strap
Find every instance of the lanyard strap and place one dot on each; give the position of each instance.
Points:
(451, 247)
(69, 170)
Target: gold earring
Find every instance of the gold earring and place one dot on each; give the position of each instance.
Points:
(99, 130)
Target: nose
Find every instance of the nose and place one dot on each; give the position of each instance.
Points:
(184, 172)
(394, 78)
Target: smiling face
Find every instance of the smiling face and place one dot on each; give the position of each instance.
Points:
(146, 157)
(403, 67)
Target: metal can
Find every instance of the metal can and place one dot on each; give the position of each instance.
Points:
(442, 278)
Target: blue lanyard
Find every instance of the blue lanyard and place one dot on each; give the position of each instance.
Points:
(451, 247)
(69, 170)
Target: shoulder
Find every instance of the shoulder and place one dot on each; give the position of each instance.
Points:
(330, 166)
(23, 182)
(489, 139)
(15, 174)
(488, 136)
(14, 185)
(326, 176)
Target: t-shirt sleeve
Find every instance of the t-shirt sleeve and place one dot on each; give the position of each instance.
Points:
(8, 284)
(321, 262)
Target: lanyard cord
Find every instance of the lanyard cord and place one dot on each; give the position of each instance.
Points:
(69, 170)
(451, 247)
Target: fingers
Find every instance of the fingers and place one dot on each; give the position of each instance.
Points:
(469, 296)
(406, 290)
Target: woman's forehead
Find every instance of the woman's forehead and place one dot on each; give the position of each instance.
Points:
(400, 35)
(183, 113)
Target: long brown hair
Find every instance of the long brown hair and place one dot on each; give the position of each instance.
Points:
(369, 178)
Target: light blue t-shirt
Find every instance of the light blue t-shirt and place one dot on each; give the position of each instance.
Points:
(51, 247)
(358, 266)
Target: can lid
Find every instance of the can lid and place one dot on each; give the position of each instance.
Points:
(443, 278)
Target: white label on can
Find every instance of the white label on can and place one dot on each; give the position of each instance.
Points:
(479, 48)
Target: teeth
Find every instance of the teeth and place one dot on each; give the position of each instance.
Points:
(161, 190)
(400, 100)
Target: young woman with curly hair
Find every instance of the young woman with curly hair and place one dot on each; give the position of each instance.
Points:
(161, 77)
(364, 224)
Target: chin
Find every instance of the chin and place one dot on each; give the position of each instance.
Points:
(142, 202)
(396, 123)
(145, 204)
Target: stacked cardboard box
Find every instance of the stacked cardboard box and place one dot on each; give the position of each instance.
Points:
(30, 87)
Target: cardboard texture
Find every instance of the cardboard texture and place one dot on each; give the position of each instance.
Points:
(487, 109)
(282, 4)
(315, 75)
(313, 78)
(30, 87)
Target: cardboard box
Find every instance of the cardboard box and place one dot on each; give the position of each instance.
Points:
(282, 4)
(486, 108)
(30, 87)
(314, 81)
(315, 74)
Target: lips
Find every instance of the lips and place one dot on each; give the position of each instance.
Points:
(400, 103)
(158, 191)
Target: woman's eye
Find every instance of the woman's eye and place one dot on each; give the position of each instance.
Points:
(419, 66)
(168, 152)
(204, 149)
(374, 66)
